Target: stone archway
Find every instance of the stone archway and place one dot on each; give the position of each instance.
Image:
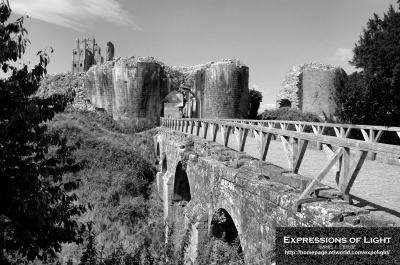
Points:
(164, 166)
(158, 149)
(285, 103)
(223, 227)
(181, 193)
(191, 112)
(223, 242)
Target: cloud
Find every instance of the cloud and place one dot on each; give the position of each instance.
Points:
(75, 14)
(343, 54)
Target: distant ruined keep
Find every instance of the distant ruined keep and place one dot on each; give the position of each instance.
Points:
(137, 88)
(87, 53)
(310, 88)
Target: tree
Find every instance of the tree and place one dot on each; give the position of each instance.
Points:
(255, 99)
(36, 203)
(372, 96)
(89, 255)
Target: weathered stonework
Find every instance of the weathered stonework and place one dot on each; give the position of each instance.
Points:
(127, 88)
(221, 87)
(66, 83)
(257, 195)
(136, 88)
(310, 88)
(85, 54)
(110, 51)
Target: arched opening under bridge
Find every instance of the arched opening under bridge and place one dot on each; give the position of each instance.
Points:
(182, 194)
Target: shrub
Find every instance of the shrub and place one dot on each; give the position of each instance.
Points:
(290, 114)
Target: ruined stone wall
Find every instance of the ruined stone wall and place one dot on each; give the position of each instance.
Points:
(99, 88)
(65, 83)
(110, 51)
(310, 88)
(128, 89)
(221, 87)
(318, 91)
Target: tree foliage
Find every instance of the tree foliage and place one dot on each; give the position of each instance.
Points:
(372, 96)
(255, 98)
(36, 205)
(89, 255)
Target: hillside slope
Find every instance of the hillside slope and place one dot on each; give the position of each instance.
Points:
(117, 179)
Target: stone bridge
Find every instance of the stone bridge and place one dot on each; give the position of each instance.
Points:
(209, 188)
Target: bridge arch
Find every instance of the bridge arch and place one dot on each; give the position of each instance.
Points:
(181, 192)
(233, 226)
(223, 226)
(158, 153)
(164, 165)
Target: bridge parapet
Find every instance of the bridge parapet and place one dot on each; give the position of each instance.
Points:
(295, 144)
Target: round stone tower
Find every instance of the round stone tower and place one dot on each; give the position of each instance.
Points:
(126, 88)
(136, 90)
(226, 90)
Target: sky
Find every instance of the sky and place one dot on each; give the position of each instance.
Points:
(269, 36)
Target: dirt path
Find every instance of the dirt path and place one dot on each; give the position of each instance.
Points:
(377, 186)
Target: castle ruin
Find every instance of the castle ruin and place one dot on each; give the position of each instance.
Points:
(310, 88)
(87, 53)
(142, 88)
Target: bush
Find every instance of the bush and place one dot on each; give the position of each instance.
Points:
(290, 114)
(105, 121)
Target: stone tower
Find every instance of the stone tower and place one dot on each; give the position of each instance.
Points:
(85, 54)
(310, 88)
(110, 51)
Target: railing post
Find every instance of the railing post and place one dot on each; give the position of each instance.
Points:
(372, 139)
(191, 126)
(344, 170)
(290, 145)
(205, 129)
(265, 140)
(225, 129)
(214, 131)
(186, 128)
(257, 137)
(197, 128)
(318, 130)
(352, 174)
(241, 136)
